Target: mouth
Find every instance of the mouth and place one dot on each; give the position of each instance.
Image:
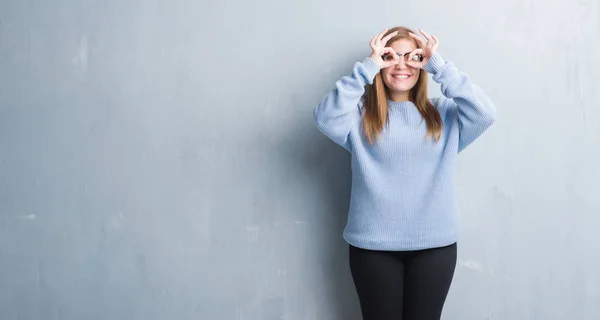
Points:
(401, 76)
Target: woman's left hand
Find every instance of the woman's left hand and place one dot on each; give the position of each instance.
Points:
(427, 50)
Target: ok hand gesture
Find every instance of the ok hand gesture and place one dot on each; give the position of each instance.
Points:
(429, 48)
(379, 49)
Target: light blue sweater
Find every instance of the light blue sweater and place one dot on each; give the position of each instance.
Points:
(403, 193)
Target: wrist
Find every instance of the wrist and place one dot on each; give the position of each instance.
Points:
(371, 68)
(434, 64)
(375, 59)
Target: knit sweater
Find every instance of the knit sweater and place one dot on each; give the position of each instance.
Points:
(403, 185)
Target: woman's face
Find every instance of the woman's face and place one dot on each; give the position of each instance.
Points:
(400, 78)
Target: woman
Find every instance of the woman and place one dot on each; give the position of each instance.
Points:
(402, 224)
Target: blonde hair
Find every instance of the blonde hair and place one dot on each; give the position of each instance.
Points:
(375, 115)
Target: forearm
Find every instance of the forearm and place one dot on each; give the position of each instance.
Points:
(474, 110)
(336, 113)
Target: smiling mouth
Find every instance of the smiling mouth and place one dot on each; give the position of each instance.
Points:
(401, 76)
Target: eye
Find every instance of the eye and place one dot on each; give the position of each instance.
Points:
(417, 57)
(387, 57)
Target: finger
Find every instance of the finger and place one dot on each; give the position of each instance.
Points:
(392, 62)
(413, 53)
(381, 34)
(389, 50)
(415, 64)
(427, 36)
(418, 50)
(372, 43)
(430, 40)
(389, 36)
(419, 39)
(437, 42)
(390, 55)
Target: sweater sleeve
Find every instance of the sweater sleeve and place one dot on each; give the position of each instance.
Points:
(475, 112)
(339, 110)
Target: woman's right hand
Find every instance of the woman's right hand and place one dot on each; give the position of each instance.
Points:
(379, 49)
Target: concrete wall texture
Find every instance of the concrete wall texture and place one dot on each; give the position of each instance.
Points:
(158, 159)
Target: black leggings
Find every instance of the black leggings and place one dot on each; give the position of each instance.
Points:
(407, 285)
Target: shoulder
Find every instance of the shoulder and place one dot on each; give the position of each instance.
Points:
(443, 104)
(446, 108)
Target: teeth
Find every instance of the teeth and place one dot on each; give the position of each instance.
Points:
(401, 77)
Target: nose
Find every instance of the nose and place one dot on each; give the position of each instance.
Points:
(401, 62)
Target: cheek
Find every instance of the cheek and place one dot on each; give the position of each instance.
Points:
(386, 71)
(417, 73)
(385, 75)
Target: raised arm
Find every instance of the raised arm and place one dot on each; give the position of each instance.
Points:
(339, 110)
(475, 112)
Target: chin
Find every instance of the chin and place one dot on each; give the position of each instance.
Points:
(402, 88)
(401, 85)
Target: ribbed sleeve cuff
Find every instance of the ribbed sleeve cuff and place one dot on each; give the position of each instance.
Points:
(371, 68)
(435, 63)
